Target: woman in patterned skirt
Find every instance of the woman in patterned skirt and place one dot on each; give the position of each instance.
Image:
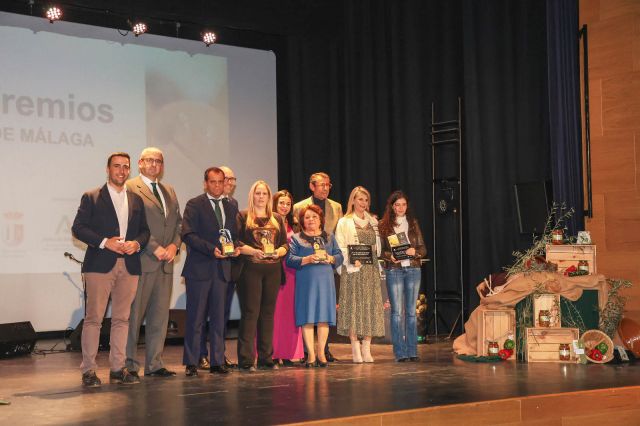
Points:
(360, 312)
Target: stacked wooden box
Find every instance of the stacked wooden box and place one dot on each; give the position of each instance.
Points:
(566, 255)
(497, 326)
(543, 343)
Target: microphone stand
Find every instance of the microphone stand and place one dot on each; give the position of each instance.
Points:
(84, 283)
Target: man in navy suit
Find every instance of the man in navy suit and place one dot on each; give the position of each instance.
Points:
(112, 222)
(207, 270)
(203, 364)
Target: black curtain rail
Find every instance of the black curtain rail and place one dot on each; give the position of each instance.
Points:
(452, 129)
(442, 123)
(445, 141)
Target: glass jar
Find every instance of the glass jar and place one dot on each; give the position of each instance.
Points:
(564, 352)
(583, 265)
(544, 318)
(493, 349)
(557, 236)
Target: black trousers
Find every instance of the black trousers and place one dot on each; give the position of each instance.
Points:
(257, 293)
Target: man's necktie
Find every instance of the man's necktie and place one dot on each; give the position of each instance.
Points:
(218, 212)
(154, 185)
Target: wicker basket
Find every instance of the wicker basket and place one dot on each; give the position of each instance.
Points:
(591, 339)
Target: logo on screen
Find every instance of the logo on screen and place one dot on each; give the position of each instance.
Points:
(13, 234)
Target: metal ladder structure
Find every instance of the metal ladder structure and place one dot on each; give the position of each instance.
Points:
(447, 133)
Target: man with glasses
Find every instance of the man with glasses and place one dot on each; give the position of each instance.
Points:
(153, 296)
(112, 222)
(320, 186)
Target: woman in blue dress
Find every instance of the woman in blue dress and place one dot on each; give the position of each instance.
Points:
(314, 254)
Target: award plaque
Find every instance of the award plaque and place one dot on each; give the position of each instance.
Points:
(361, 252)
(226, 242)
(399, 244)
(267, 245)
(319, 249)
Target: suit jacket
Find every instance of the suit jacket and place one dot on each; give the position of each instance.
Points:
(332, 214)
(164, 230)
(233, 201)
(200, 233)
(96, 220)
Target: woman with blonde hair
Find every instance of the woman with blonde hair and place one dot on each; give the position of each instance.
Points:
(360, 312)
(262, 238)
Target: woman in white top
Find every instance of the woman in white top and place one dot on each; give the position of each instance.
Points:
(360, 312)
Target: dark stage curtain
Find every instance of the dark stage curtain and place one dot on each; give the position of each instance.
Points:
(564, 108)
(506, 125)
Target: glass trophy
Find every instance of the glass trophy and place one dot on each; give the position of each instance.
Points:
(319, 249)
(267, 245)
(226, 242)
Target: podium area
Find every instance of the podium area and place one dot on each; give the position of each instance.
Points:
(440, 389)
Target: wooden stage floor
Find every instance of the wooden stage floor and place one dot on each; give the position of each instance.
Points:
(45, 389)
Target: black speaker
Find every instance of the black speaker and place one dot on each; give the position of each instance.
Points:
(17, 338)
(75, 339)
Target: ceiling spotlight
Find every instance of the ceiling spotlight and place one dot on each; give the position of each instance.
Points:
(209, 38)
(139, 28)
(54, 13)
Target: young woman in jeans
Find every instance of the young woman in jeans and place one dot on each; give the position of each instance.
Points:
(403, 276)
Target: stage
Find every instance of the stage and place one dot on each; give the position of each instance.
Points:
(46, 389)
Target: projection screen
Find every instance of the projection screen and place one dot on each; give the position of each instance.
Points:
(71, 94)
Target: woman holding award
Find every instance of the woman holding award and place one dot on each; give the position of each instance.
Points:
(263, 243)
(360, 312)
(314, 254)
(402, 249)
(287, 338)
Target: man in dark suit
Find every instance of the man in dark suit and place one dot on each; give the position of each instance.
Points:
(203, 364)
(154, 288)
(207, 219)
(112, 222)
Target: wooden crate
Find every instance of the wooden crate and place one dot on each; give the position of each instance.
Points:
(549, 302)
(566, 255)
(543, 344)
(496, 325)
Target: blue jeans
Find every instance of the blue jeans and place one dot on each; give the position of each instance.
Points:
(403, 286)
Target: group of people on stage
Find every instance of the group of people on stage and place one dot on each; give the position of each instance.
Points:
(282, 258)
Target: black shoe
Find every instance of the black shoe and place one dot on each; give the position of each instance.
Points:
(247, 368)
(414, 359)
(134, 374)
(310, 364)
(402, 360)
(330, 357)
(123, 377)
(204, 363)
(219, 369)
(268, 365)
(229, 364)
(288, 363)
(321, 364)
(161, 372)
(191, 371)
(90, 380)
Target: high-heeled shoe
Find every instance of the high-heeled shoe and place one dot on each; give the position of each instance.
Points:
(310, 364)
(321, 364)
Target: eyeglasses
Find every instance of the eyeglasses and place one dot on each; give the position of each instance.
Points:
(150, 161)
(230, 179)
(323, 185)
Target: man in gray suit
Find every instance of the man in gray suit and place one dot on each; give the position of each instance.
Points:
(154, 289)
(320, 186)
